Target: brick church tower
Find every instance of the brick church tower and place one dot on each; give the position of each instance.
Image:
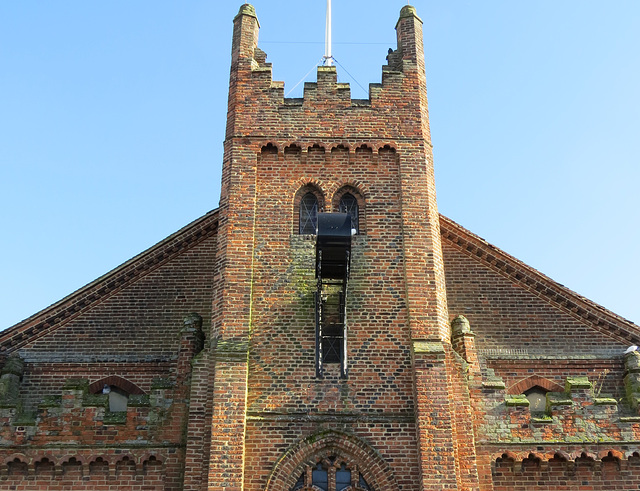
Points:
(286, 160)
(324, 329)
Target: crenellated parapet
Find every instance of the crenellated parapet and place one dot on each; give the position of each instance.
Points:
(258, 106)
(79, 416)
(579, 414)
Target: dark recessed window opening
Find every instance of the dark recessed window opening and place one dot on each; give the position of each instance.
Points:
(333, 326)
(308, 214)
(331, 475)
(349, 205)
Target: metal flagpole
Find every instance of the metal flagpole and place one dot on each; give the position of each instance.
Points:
(328, 58)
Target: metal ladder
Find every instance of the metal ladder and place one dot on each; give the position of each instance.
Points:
(331, 318)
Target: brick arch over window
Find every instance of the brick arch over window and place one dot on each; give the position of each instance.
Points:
(341, 194)
(319, 447)
(534, 380)
(114, 380)
(307, 189)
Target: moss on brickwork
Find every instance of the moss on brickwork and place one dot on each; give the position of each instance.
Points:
(76, 384)
(408, 11)
(558, 399)
(574, 383)
(95, 400)
(14, 365)
(24, 419)
(570, 417)
(428, 347)
(115, 418)
(139, 400)
(632, 389)
(517, 400)
(162, 383)
(50, 401)
(605, 401)
(9, 392)
(247, 9)
(494, 384)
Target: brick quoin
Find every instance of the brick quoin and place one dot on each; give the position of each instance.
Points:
(210, 335)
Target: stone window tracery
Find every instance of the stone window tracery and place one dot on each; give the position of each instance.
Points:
(331, 474)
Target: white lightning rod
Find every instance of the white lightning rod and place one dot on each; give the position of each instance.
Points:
(328, 58)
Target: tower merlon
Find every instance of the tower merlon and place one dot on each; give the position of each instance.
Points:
(245, 34)
(409, 34)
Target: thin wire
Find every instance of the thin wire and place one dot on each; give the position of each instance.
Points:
(318, 42)
(305, 76)
(354, 79)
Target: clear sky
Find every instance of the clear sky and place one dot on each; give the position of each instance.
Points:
(112, 121)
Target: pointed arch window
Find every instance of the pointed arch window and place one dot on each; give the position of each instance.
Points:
(308, 214)
(331, 474)
(349, 204)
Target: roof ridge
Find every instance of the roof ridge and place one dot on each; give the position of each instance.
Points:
(88, 295)
(578, 306)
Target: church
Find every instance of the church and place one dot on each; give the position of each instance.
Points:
(324, 328)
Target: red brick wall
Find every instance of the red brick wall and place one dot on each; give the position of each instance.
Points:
(557, 473)
(110, 471)
(148, 313)
(506, 316)
(381, 149)
(131, 334)
(525, 338)
(134, 333)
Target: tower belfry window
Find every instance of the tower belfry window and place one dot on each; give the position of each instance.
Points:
(349, 205)
(308, 214)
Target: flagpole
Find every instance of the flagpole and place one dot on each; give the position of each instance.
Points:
(328, 58)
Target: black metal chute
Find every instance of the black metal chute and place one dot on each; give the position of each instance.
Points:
(333, 257)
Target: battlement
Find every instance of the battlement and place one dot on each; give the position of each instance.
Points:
(393, 108)
(74, 441)
(579, 414)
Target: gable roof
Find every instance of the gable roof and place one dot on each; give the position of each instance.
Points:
(109, 284)
(577, 306)
(75, 304)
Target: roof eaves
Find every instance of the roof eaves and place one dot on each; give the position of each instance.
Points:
(576, 305)
(106, 285)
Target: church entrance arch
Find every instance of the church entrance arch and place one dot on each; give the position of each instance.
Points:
(331, 461)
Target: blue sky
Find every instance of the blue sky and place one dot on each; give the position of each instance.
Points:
(112, 120)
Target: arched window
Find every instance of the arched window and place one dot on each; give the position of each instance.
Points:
(349, 204)
(331, 475)
(308, 214)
